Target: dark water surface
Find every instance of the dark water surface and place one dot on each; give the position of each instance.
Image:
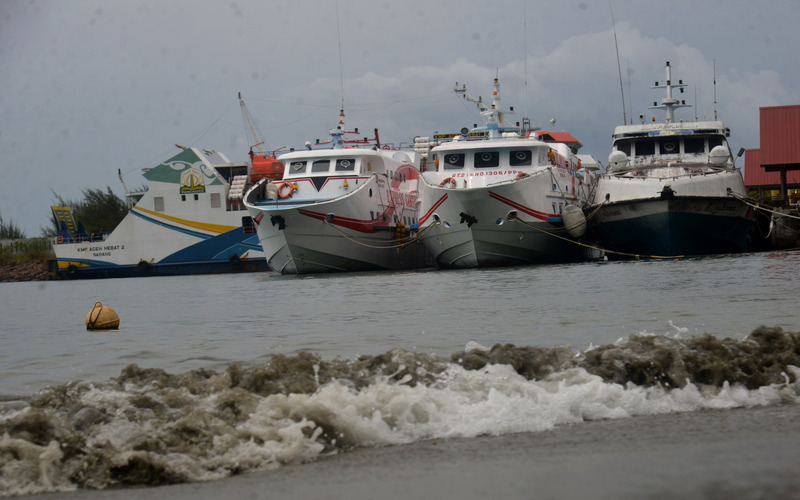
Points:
(214, 376)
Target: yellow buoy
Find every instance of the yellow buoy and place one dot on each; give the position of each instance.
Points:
(102, 318)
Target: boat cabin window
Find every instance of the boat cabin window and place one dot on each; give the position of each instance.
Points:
(487, 159)
(321, 166)
(345, 164)
(520, 157)
(645, 147)
(624, 146)
(668, 146)
(694, 145)
(715, 141)
(453, 161)
(297, 167)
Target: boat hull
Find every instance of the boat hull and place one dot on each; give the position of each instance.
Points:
(472, 227)
(336, 235)
(138, 248)
(687, 216)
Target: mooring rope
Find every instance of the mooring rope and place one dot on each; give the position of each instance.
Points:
(584, 245)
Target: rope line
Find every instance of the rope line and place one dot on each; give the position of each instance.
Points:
(584, 245)
(408, 239)
(780, 215)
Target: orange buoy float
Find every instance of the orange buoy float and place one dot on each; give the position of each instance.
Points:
(102, 318)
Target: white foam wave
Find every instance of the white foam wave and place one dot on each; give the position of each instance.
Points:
(187, 436)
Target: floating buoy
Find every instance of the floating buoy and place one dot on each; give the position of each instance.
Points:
(102, 318)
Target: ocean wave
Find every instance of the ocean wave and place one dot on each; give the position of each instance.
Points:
(150, 427)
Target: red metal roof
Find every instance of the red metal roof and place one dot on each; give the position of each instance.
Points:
(780, 135)
(755, 176)
(564, 137)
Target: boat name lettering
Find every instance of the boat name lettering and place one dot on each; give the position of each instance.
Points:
(488, 172)
(100, 248)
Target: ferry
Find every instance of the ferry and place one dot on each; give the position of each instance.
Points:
(189, 220)
(671, 189)
(346, 204)
(500, 195)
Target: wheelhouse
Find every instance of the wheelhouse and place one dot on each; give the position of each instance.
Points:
(677, 146)
(489, 158)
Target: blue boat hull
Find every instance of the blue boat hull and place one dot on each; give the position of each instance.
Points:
(166, 269)
(673, 228)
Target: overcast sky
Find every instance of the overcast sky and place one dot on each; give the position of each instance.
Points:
(90, 87)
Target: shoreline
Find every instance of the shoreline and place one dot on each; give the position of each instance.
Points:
(730, 453)
(32, 270)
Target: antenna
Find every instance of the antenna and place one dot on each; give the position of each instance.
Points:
(715, 89)
(619, 69)
(630, 92)
(339, 36)
(669, 104)
(525, 37)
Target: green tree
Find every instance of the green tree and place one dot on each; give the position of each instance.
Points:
(98, 210)
(10, 231)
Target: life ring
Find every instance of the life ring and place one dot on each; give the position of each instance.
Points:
(448, 183)
(283, 193)
(386, 146)
(59, 239)
(522, 175)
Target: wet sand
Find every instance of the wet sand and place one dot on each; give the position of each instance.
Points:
(741, 453)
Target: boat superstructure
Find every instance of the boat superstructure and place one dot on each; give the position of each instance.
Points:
(190, 220)
(343, 205)
(671, 188)
(499, 195)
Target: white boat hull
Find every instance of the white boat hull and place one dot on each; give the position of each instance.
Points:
(171, 230)
(345, 233)
(507, 223)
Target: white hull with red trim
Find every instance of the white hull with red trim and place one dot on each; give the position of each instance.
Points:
(498, 198)
(508, 221)
(340, 210)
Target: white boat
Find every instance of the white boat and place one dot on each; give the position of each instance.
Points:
(190, 220)
(346, 207)
(671, 188)
(501, 197)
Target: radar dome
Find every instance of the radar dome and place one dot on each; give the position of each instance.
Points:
(617, 159)
(719, 155)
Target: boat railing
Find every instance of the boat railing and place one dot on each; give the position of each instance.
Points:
(80, 238)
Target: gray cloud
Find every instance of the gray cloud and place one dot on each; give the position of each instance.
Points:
(88, 87)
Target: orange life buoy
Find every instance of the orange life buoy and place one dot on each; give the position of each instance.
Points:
(386, 146)
(283, 193)
(59, 239)
(448, 183)
(522, 175)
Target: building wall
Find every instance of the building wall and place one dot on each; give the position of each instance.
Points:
(780, 135)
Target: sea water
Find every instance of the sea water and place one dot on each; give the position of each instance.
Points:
(213, 376)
